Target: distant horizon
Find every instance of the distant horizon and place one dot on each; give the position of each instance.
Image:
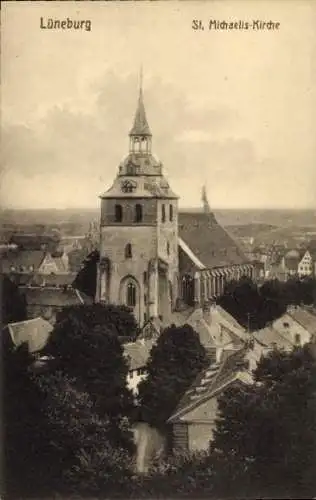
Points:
(181, 208)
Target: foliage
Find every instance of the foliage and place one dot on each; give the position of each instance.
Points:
(13, 306)
(86, 279)
(182, 475)
(255, 307)
(86, 347)
(174, 363)
(80, 440)
(53, 440)
(271, 422)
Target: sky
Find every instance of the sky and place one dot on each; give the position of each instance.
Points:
(234, 110)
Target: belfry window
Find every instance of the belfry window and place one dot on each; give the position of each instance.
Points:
(163, 213)
(118, 213)
(171, 213)
(138, 213)
(131, 295)
(128, 251)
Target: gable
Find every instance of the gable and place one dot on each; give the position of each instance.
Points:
(207, 411)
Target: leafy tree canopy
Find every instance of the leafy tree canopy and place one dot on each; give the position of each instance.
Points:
(271, 422)
(175, 361)
(86, 346)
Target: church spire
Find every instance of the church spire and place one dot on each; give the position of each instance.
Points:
(206, 205)
(140, 127)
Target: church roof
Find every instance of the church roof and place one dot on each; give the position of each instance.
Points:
(140, 126)
(209, 241)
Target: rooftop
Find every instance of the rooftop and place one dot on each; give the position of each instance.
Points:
(211, 245)
(34, 332)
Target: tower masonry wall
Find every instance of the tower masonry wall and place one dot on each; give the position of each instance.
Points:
(143, 240)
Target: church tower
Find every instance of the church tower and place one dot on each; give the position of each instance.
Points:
(139, 231)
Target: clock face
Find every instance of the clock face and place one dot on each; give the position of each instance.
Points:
(128, 186)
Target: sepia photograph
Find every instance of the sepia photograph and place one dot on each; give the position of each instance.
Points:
(158, 249)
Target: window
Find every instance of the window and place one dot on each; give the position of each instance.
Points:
(131, 295)
(138, 213)
(168, 248)
(286, 325)
(128, 251)
(118, 213)
(297, 338)
(145, 277)
(171, 213)
(163, 213)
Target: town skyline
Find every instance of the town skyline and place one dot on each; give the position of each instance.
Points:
(233, 111)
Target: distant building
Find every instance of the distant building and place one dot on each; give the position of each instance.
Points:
(137, 355)
(194, 420)
(46, 302)
(34, 333)
(33, 262)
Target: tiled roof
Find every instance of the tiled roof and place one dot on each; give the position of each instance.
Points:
(209, 242)
(213, 380)
(270, 337)
(35, 332)
(51, 279)
(56, 297)
(23, 260)
(137, 353)
(305, 319)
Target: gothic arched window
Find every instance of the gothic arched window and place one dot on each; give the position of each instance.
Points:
(128, 251)
(131, 295)
(138, 213)
(171, 213)
(118, 213)
(163, 213)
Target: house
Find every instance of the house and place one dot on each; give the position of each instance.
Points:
(194, 420)
(34, 241)
(291, 329)
(32, 332)
(46, 302)
(22, 261)
(137, 355)
(305, 266)
(33, 261)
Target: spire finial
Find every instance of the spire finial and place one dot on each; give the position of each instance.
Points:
(141, 79)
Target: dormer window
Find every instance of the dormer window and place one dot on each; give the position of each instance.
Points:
(138, 213)
(118, 213)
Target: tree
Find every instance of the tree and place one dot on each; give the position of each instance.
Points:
(86, 279)
(271, 422)
(86, 347)
(53, 440)
(174, 363)
(13, 304)
(82, 458)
